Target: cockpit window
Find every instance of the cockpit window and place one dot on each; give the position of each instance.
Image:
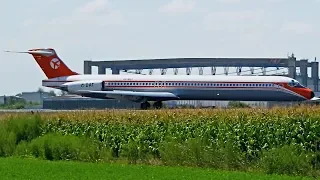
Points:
(295, 84)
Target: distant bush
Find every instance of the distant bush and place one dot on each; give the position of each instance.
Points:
(289, 159)
(15, 130)
(62, 147)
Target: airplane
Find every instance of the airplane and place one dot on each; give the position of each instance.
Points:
(144, 89)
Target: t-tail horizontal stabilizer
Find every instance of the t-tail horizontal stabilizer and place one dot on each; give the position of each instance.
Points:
(32, 52)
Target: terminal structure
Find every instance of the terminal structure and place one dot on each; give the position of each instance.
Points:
(163, 64)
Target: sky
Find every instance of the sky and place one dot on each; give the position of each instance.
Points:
(114, 30)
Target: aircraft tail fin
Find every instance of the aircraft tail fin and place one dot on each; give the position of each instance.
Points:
(48, 60)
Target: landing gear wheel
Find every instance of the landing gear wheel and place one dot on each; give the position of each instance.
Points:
(145, 105)
(157, 105)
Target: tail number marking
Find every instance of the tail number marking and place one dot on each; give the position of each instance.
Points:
(87, 85)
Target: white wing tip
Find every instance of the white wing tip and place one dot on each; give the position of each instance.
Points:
(315, 99)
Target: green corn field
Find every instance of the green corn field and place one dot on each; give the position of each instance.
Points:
(278, 140)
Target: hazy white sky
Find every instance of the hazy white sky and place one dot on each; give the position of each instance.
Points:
(109, 29)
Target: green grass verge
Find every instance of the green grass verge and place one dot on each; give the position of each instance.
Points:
(18, 168)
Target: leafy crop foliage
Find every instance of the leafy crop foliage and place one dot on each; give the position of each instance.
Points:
(278, 140)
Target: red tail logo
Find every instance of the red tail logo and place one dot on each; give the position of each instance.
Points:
(50, 63)
(55, 63)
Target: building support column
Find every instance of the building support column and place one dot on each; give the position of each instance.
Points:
(315, 75)
(115, 71)
(292, 67)
(87, 67)
(304, 72)
(101, 70)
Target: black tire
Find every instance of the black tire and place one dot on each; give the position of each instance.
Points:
(145, 105)
(157, 105)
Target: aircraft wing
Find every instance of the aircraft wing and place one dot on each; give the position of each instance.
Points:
(130, 95)
(315, 99)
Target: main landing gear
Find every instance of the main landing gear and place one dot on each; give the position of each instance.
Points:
(145, 105)
(156, 105)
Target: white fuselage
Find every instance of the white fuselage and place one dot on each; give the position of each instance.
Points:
(199, 87)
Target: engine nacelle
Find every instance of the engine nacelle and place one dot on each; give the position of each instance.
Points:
(89, 85)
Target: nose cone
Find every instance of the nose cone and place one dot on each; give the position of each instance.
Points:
(305, 92)
(309, 94)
